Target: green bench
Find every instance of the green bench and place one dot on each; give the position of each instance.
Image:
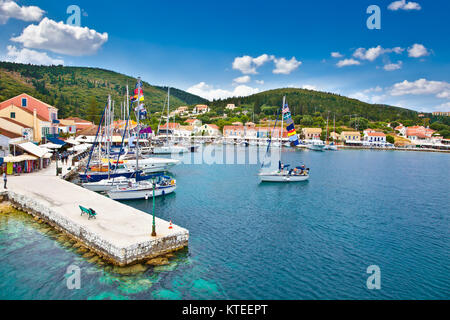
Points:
(90, 212)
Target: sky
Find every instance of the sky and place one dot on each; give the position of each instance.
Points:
(218, 49)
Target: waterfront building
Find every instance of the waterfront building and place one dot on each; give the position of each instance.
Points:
(201, 109)
(6, 138)
(442, 114)
(401, 129)
(351, 137)
(32, 113)
(184, 131)
(334, 136)
(168, 128)
(419, 134)
(374, 138)
(194, 122)
(233, 131)
(79, 123)
(39, 126)
(312, 133)
(210, 130)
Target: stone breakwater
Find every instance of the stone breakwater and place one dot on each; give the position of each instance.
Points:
(120, 234)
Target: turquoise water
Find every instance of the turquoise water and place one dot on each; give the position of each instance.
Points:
(310, 240)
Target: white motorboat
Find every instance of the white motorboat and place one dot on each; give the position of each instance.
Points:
(331, 147)
(315, 145)
(107, 184)
(170, 150)
(151, 165)
(142, 190)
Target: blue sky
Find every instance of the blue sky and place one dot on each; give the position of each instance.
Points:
(218, 49)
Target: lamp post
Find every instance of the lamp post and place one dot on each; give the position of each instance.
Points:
(154, 224)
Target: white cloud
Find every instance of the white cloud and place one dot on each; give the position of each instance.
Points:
(30, 56)
(393, 66)
(241, 80)
(440, 89)
(348, 62)
(403, 5)
(283, 66)
(209, 92)
(443, 107)
(417, 51)
(62, 38)
(248, 64)
(336, 55)
(10, 9)
(309, 87)
(372, 53)
(259, 81)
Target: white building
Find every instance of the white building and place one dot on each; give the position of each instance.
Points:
(374, 138)
(210, 130)
(230, 107)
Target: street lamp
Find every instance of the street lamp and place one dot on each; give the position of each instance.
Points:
(154, 224)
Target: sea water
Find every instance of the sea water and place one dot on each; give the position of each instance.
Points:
(252, 240)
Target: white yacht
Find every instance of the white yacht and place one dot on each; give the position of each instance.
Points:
(142, 189)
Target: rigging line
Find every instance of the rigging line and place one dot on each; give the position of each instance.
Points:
(270, 141)
(95, 140)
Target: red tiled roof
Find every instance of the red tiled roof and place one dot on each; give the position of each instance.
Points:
(15, 122)
(41, 107)
(9, 134)
(376, 134)
(172, 125)
(213, 126)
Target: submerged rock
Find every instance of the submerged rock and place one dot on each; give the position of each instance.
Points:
(134, 269)
(158, 262)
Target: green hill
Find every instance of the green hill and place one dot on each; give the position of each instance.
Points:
(304, 102)
(80, 91)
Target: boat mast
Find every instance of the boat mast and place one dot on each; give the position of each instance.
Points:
(328, 115)
(138, 124)
(282, 123)
(168, 113)
(108, 135)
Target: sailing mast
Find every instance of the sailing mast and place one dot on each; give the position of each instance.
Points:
(328, 115)
(168, 113)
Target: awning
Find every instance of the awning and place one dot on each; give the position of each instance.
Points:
(33, 149)
(56, 141)
(72, 142)
(24, 157)
(146, 130)
(51, 146)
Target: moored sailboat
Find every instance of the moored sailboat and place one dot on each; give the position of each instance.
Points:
(284, 174)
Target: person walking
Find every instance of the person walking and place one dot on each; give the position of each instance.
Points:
(5, 180)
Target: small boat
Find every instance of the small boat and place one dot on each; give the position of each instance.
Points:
(331, 147)
(170, 150)
(315, 145)
(143, 189)
(284, 175)
(106, 184)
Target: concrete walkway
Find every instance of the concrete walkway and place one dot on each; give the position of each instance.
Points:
(120, 231)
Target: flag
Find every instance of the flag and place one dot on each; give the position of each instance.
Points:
(292, 134)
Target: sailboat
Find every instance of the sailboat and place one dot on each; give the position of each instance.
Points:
(123, 166)
(284, 174)
(141, 187)
(169, 148)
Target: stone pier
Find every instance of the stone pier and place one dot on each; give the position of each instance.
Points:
(120, 234)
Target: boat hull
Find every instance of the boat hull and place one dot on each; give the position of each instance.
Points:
(118, 194)
(276, 177)
(98, 176)
(316, 147)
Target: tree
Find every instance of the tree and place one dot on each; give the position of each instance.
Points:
(390, 139)
(93, 112)
(307, 121)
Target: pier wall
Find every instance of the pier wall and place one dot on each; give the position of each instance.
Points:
(122, 246)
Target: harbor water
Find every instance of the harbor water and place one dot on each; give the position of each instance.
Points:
(252, 240)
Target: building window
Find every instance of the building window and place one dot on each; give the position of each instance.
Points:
(24, 102)
(12, 115)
